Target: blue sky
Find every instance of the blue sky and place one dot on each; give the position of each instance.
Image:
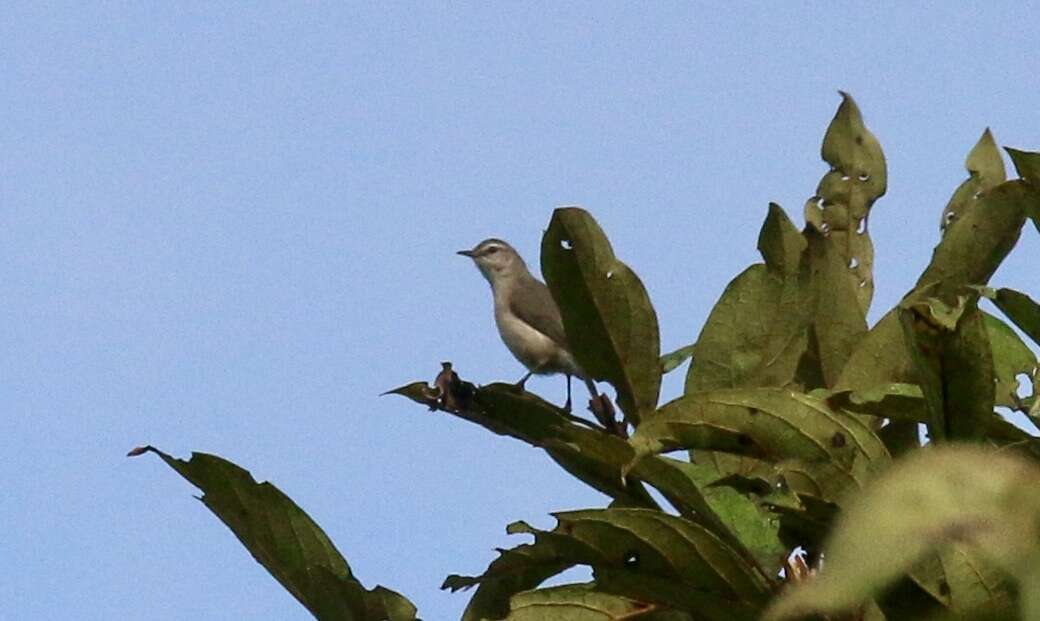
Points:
(229, 228)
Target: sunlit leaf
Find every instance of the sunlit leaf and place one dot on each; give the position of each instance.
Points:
(1021, 310)
(287, 542)
(1027, 163)
(1011, 358)
(985, 171)
(610, 323)
(757, 333)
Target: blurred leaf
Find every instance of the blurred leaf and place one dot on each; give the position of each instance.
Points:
(985, 171)
(1027, 163)
(1021, 310)
(672, 360)
(581, 602)
(287, 542)
(841, 207)
(610, 323)
(757, 333)
(653, 557)
(981, 499)
(1011, 357)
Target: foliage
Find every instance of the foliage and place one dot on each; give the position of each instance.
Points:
(801, 487)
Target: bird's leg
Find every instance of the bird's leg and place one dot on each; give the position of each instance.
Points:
(567, 406)
(523, 380)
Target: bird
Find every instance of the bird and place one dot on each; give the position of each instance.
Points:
(526, 315)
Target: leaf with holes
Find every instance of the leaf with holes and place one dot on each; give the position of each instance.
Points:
(756, 333)
(976, 243)
(610, 323)
(976, 497)
(766, 423)
(286, 541)
(841, 207)
(985, 171)
(1011, 358)
(653, 557)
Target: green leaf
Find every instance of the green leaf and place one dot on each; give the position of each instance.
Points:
(1021, 310)
(581, 602)
(770, 424)
(653, 557)
(841, 207)
(286, 541)
(672, 360)
(755, 528)
(1027, 163)
(978, 498)
(977, 242)
(519, 569)
(1011, 357)
(838, 321)
(757, 332)
(985, 171)
(610, 323)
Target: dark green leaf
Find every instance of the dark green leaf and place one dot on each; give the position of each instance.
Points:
(287, 542)
(653, 557)
(519, 569)
(1021, 310)
(610, 323)
(1027, 163)
(985, 171)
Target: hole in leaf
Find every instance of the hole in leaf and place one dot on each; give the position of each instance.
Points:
(631, 559)
(838, 440)
(566, 244)
(853, 263)
(863, 283)
(950, 217)
(864, 177)
(610, 274)
(844, 177)
(977, 195)
(861, 226)
(825, 228)
(944, 588)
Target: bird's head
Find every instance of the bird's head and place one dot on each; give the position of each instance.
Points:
(495, 259)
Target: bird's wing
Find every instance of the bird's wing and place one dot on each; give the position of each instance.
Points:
(539, 310)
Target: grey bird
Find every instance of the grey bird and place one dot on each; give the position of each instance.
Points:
(527, 317)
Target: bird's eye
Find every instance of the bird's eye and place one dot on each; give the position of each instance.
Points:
(492, 250)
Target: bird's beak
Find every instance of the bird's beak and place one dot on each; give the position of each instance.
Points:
(466, 253)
